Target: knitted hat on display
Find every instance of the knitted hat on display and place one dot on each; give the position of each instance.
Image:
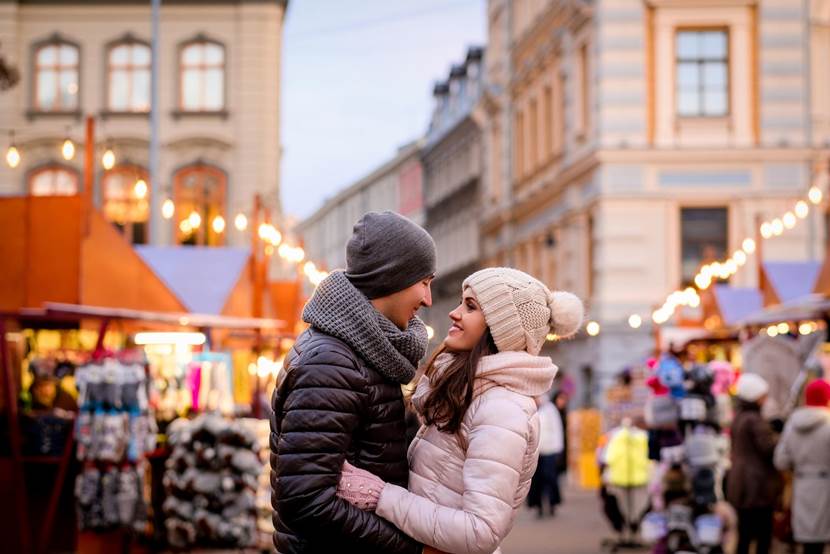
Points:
(520, 311)
(388, 253)
(751, 387)
(817, 394)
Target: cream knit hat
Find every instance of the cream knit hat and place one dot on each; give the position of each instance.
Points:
(520, 311)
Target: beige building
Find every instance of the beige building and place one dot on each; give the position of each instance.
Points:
(219, 98)
(395, 185)
(629, 141)
(452, 158)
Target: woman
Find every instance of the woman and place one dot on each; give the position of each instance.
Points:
(472, 460)
(545, 482)
(805, 449)
(752, 486)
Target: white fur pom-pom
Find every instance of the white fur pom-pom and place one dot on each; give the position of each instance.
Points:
(566, 311)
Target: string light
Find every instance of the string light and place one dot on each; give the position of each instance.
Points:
(789, 220)
(185, 227)
(802, 209)
(108, 159)
(777, 227)
(592, 328)
(140, 189)
(218, 224)
(635, 321)
(240, 222)
(194, 219)
(766, 229)
(814, 194)
(168, 209)
(748, 246)
(68, 149)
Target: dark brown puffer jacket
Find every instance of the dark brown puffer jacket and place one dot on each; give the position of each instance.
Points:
(330, 406)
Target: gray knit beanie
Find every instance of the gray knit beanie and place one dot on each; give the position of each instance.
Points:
(388, 253)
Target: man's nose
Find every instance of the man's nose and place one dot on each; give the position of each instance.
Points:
(427, 301)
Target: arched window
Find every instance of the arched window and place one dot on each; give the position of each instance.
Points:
(199, 189)
(128, 70)
(53, 180)
(126, 195)
(202, 76)
(56, 84)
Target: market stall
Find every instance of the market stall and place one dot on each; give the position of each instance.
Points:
(97, 393)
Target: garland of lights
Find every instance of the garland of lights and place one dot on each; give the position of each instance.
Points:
(728, 267)
(267, 232)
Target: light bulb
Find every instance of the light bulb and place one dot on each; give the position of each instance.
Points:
(766, 230)
(592, 328)
(12, 156)
(195, 219)
(68, 150)
(241, 222)
(802, 209)
(140, 188)
(185, 227)
(789, 220)
(814, 195)
(218, 224)
(748, 246)
(108, 159)
(777, 227)
(740, 257)
(635, 321)
(168, 209)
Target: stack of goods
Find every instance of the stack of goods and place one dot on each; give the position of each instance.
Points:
(114, 431)
(211, 483)
(265, 523)
(687, 410)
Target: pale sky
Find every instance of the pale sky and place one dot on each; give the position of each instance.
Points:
(357, 84)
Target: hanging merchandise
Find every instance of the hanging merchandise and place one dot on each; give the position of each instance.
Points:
(211, 482)
(685, 437)
(114, 431)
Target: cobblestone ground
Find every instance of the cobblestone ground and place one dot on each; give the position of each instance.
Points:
(579, 527)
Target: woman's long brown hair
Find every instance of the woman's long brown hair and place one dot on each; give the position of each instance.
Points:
(452, 391)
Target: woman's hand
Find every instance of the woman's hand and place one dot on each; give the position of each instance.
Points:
(359, 487)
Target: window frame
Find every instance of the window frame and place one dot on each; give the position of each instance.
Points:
(54, 40)
(181, 108)
(126, 40)
(52, 166)
(127, 228)
(179, 174)
(699, 61)
(725, 208)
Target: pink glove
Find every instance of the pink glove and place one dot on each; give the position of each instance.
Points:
(359, 487)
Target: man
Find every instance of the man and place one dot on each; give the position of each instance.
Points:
(339, 397)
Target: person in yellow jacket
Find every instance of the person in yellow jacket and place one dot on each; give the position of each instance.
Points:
(627, 458)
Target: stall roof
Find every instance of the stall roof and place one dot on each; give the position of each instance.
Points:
(202, 278)
(810, 306)
(792, 280)
(77, 311)
(736, 303)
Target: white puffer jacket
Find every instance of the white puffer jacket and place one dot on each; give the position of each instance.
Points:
(465, 501)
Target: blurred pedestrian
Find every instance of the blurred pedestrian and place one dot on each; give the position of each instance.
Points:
(805, 449)
(339, 397)
(545, 483)
(753, 484)
(560, 400)
(472, 462)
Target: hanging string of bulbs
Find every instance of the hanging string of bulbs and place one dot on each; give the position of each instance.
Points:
(724, 269)
(266, 232)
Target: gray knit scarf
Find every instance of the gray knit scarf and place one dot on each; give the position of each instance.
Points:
(338, 309)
